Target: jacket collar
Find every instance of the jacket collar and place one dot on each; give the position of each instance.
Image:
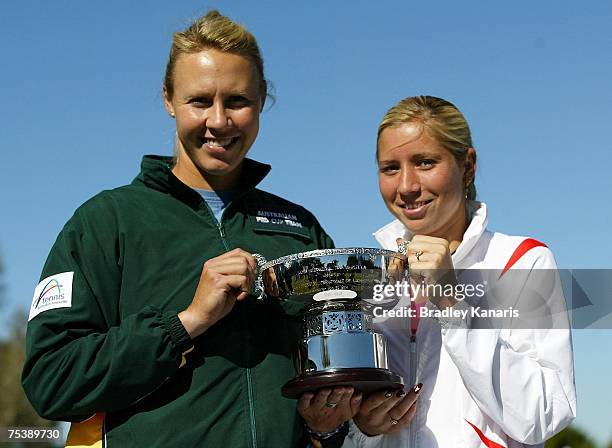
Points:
(477, 213)
(156, 173)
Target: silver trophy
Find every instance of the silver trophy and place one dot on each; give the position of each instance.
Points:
(335, 286)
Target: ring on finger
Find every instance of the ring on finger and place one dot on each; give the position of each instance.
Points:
(393, 421)
(331, 404)
(418, 255)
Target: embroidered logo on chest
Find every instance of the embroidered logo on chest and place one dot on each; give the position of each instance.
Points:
(278, 218)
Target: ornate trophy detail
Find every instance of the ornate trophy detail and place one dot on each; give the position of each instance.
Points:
(339, 346)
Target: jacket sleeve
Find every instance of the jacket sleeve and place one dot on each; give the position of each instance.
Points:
(522, 376)
(82, 358)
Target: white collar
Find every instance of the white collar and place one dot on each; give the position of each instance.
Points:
(477, 213)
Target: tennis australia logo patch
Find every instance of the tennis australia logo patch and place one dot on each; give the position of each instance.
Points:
(51, 293)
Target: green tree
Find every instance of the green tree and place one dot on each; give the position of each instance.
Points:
(15, 409)
(570, 437)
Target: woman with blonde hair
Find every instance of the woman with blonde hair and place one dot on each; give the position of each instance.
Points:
(482, 384)
(144, 330)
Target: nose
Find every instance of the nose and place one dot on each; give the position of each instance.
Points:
(217, 116)
(409, 182)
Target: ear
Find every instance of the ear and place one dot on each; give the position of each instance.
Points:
(167, 102)
(469, 166)
(264, 95)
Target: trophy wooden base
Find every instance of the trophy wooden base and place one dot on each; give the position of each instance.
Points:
(366, 380)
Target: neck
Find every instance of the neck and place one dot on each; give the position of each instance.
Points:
(457, 230)
(188, 173)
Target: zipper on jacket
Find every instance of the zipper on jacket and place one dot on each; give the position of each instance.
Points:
(222, 234)
(219, 223)
(413, 366)
(247, 369)
(251, 408)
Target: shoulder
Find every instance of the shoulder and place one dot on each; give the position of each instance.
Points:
(101, 212)
(515, 251)
(114, 200)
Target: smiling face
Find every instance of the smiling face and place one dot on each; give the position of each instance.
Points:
(216, 101)
(422, 183)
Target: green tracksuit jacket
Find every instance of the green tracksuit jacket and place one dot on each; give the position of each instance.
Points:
(104, 337)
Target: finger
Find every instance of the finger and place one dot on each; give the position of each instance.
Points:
(229, 254)
(422, 257)
(321, 398)
(375, 400)
(243, 295)
(236, 251)
(335, 396)
(406, 418)
(249, 257)
(413, 394)
(229, 265)
(344, 391)
(422, 246)
(426, 239)
(355, 403)
(409, 399)
(230, 283)
(248, 274)
(347, 394)
(388, 404)
(241, 253)
(305, 401)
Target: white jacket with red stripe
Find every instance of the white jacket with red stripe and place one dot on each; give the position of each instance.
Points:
(485, 387)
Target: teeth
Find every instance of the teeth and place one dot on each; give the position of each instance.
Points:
(218, 142)
(415, 205)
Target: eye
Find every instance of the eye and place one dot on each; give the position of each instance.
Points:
(200, 101)
(388, 168)
(237, 102)
(426, 164)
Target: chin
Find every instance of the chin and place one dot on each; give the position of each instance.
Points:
(214, 165)
(218, 168)
(414, 226)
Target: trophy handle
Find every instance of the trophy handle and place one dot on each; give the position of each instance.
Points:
(402, 247)
(259, 289)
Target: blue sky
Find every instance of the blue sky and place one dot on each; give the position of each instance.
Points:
(81, 105)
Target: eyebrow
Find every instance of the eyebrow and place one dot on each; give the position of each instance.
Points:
(418, 155)
(426, 155)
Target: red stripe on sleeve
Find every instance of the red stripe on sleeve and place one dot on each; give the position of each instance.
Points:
(488, 442)
(521, 250)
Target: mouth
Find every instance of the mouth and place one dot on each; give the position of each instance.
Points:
(415, 205)
(220, 144)
(415, 209)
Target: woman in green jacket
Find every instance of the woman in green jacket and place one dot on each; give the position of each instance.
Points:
(143, 330)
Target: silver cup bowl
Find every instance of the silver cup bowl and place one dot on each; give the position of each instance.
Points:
(339, 346)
